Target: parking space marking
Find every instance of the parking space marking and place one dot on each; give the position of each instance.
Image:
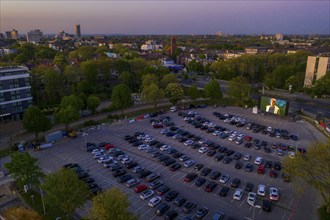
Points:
(137, 201)
(242, 202)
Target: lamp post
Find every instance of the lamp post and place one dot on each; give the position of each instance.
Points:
(84, 135)
(42, 200)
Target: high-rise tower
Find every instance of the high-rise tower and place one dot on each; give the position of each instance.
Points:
(173, 45)
(77, 32)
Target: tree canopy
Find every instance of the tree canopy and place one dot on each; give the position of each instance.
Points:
(239, 89)
(193, 92)
(121, 97)
(93, 102)
(174, 92)
(24, 169)
(313, 168)
(212, 91)
(35, 121)
(63, 190)
(67, 115)
(153, 93)
(111, 204)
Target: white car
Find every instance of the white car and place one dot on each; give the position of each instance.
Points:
(224, 178)
(291, 155)
(149, 139)
(273, 194)
(95, 151)
(258, 160)
(121, 157)
(126, 160)
(177, 136)
(269, 129)
(132, 182)
(143, 146)
(247, 157)
(212, 125)
(203, 150)
(251, 200)
(232, 137)
(188, 142)
(216, 133)
(261, 190)
(189, 163)
(147, 194)
(238, 140)
(165, 147)
(238, 194)
(154, 201)
(142, 136)
(184, 158)
(164, 131)
(104, 159)
(99, 155)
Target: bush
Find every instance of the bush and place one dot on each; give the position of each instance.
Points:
(323, 213)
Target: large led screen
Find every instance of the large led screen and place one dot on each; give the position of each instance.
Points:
(273, 105)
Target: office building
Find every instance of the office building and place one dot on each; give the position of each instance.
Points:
(8, 34)
(77, 32)
(15, 94)
(33, 36)
(316, 68)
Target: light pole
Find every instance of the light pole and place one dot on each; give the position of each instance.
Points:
(42, 200)
(84, 135)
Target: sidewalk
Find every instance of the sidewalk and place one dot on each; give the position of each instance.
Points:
(18, 133)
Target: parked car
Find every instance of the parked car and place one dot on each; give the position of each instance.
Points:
(190, 176)
(210, 186)
(132, 182)
(171, 195)
(154, 201)
(267, 205)
(189, 206)
(224, 178)
(252, 197)
(224, 191)
(261, 190)
(146, 194)
(249, 186)
(155, 184)
(140, 188)
(161, 209)
(201, 212)
(274, 194)
(238, 194)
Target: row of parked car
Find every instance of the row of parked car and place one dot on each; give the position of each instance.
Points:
(158, 187)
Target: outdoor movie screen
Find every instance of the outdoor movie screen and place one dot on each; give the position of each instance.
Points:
(273, 105)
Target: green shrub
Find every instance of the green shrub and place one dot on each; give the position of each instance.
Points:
(90, 123)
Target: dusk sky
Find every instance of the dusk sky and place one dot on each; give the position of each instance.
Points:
(167, 17)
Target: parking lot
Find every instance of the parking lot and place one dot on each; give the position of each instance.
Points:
(74, 151)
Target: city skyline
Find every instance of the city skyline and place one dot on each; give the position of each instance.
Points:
(167, 17)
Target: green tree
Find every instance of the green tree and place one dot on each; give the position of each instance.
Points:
(167, 79)
(54, 87)
(86, 52)
(89, 69)
(93, 102)
(35, 121)
(148, 79)
(313, 168)
(212, 91)
(322, 86)
(76, 102)
(174, 92)
(67, 115)
(194, 66)
(121, 97)
(20, 59)
(24, 169)
(239, 89)
(117, 210)
(60, 60)
(64, 191)
(153, 93)
(193, 92)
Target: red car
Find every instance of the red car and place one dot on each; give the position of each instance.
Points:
(157, 126)
(273, 174)
(261, 169)
(108, 146)
(140, 188)
(248, 138)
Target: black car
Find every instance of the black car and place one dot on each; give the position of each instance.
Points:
(277, 165)
(175, 166)
(211, 153)
(119, 173)
(229, 152)
(224, 191)
(169, 162)
(200, 181)
(177, 155)
(195, 146)
(248, 167)
(267, 205)
(219, 157)
(179, 201)
(198, 167)
(237, 156)
(249, 186)
(171, 215)
(215, 175)
(171, 195)
(189, 206)
(156, 154)
(248, 145)
(161, 209)
(82, 175)
(190, 176)
(131, 165)
(144, 173)
(210, 186)
(235, 183)
(205, 171)
(268, 164)
(201, 212)
(238, 164)
(124, 178)
(222, 149)
(71, 165)
(227, 160)
(162, 190)
(163, 158)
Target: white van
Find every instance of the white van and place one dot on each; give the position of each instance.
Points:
(173, 109)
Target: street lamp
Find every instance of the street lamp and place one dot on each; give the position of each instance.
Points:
(42, 200)
(84, 135)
